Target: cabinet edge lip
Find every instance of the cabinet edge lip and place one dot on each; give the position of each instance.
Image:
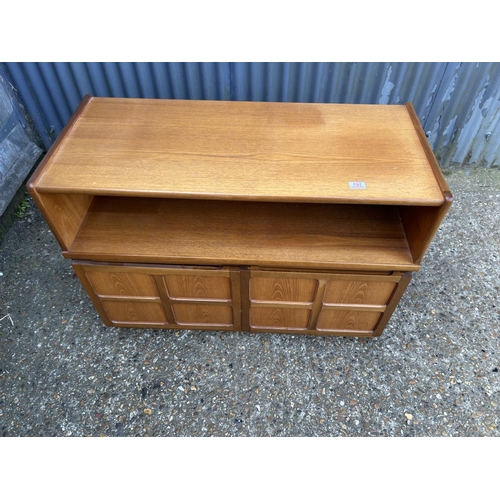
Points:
(37, 174)
(210, 196)
(113, 260)
(436, 169)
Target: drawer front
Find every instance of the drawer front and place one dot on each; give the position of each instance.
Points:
(203, 315)
(135, 312)
(122, 284)
(279, 319)
(323, 303)
(347, 320)
(283, 289)
(163, 296)
(195, 287)
(358, 292)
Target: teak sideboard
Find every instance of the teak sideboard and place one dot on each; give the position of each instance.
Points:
(247, 216)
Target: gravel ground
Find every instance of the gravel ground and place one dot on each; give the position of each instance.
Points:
(434, 371)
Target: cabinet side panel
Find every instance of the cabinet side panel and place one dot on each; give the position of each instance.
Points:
(64, 214)
(393, 302)
(421, 225)
(80, 272)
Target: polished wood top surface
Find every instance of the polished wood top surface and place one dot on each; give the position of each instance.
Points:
(262, 151)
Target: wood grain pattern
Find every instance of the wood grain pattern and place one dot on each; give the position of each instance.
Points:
(124, 284)
(244, 150)
(60, 206)
(235, 278)
(319, 333)
(320, 274)
(152, 269)
(358, 292)
(240, 215)
(317, 303)
(197, 287)
(436, 169)
(354, 307)
(279, 318)
(337, 302)
(134, 295)
(43, 166)
(129, 298)
(421, 225)
(393, 302)
(80, 270)
(347, 320)
(135, 312)
(283, 290)
(239, 233)
(165, 299)
(203, 314)
(64, 214)
(283, 305)
(245, 277)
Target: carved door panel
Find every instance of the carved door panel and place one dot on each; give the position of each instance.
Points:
(163, 296)
(324, 303)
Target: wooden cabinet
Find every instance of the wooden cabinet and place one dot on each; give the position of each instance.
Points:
(261, 217)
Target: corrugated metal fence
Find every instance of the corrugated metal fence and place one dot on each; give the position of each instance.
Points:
(457, 103)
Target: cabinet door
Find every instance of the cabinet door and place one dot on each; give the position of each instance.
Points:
(321, 303)
(204, 298)
(163, 296)
(281, 301)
